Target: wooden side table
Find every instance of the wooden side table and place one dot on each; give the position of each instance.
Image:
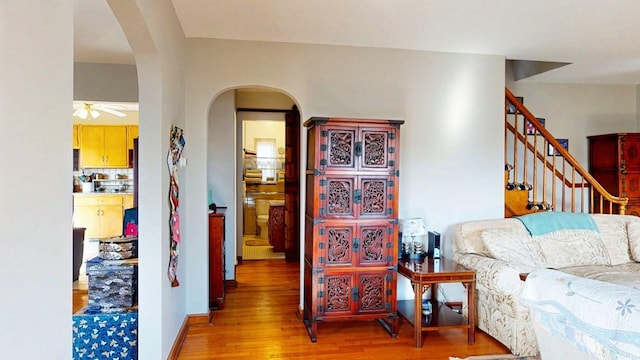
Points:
(425, 274)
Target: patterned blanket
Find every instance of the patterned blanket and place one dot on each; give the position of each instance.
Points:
(595, 317)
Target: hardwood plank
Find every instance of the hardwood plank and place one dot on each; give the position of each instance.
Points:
(260, 321)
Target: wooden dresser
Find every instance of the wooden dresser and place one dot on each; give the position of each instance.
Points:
(351, 221)
(614, 160)
(216, 260)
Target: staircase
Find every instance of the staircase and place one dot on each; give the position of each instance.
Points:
(541, 175)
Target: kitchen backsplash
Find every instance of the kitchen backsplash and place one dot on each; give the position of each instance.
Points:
(105, 180)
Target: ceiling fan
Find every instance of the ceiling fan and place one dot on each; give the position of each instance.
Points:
(87, 109)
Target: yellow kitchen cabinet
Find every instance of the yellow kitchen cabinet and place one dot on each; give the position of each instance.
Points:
(127, 201)
(104, 146)
(133, 133)
(101, 215)
(76, 142)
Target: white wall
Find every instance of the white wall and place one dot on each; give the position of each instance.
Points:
(575, 111)
(36, 68)
(157, 41)
(105, 82)
(220, 167)
(451, 144)
(257, 129)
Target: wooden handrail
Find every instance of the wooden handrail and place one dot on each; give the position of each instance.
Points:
(541, 157)
(586, 180)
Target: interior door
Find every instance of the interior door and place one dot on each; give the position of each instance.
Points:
(292, 186)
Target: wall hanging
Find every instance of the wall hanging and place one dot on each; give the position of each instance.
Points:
(176, 144)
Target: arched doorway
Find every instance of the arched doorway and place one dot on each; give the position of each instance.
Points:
(270, 180)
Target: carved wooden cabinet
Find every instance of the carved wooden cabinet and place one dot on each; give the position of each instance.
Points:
(351, 221)
(216, 261)
(276, 226)
(614, 160)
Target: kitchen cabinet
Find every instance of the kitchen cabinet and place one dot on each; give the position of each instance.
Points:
(132, 131)
(75, 141)
(127, 201)
(104, 146)
(101, 215)
(351, 217)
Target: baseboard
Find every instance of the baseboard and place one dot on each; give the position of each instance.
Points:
(300, 313)
(231, 284)
(189, 320)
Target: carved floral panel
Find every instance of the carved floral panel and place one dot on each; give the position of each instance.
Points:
(339, 197)
(375, 149)
(373, 246)
(338, 292)
(371, 292)
(373, 197)
(339, 245)
(341, 144)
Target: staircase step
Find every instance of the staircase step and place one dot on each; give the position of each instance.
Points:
(515, 203)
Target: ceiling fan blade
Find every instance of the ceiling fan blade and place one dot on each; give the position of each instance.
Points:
(108, 110)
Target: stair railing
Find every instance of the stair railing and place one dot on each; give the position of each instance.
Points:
(540, 163)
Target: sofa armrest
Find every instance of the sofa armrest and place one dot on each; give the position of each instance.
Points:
(492, 274)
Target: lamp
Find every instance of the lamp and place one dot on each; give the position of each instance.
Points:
(413, 227)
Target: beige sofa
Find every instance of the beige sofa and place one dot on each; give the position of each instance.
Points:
(500, 250)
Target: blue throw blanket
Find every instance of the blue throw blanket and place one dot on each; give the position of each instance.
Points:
(545, 222)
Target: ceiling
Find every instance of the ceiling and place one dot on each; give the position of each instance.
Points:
(598, 38)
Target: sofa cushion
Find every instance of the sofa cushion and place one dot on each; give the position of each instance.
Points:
(512, 245)
(625, 274)
(468, 236)
(614, 235)
(571, 247)
(633, 231)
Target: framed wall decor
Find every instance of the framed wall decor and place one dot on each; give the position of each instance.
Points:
(529, 129)
(511, 109)
(563, 142)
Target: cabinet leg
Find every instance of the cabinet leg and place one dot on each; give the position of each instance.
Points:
(390, 325)
(312, 329)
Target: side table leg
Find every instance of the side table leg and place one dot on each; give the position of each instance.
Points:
(471, 309)
(417, 319)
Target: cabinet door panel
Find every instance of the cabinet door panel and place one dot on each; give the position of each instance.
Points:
(91, 146)
(111, 218)
(338, 143)
(350, 243)
(376, 244)
(115, 146)
(374, 144)
(375, 293)
(630, 146)
(87, 216)
(339, 246)
(133, 131)
(630, 184)
(336, 294)
(127, 201)
(75, 139)
(375, 197)
(337, 197)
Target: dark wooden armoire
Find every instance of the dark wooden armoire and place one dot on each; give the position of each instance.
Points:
(351, 221)
(614, 160)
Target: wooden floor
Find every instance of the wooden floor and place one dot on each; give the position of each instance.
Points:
(259, 321)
